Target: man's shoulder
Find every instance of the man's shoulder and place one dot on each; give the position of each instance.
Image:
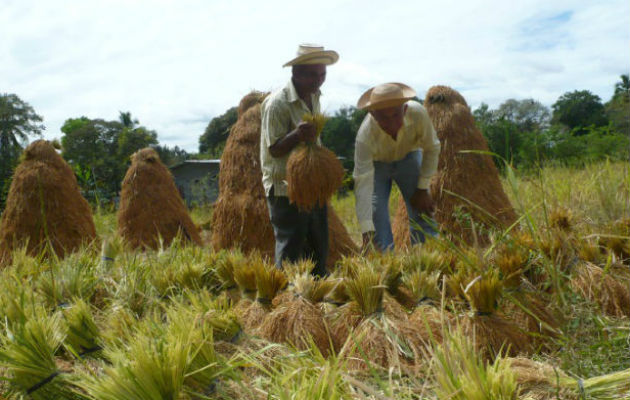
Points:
(415, 108)
(277, 98)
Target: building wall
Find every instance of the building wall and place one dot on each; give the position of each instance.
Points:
(198, 183)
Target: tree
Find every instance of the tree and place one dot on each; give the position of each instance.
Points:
(171, 156)
(18, 121)
(213, 138)
(618, 108)
(340, 131)
(579, 110)
(100, 150)
(529, 114)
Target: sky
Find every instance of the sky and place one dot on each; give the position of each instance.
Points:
(175, 65)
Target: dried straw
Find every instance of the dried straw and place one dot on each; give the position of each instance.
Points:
(610, 292)
(313, 172)
(152, 212)
(44, 210)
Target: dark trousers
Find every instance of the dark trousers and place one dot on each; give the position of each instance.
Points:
(299, 235)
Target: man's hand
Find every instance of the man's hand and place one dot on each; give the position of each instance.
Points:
(423, 203)
(368, 241)
(306, 131)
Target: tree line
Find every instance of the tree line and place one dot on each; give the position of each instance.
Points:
(579, 127)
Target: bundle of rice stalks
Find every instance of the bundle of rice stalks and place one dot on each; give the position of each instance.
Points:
(460, 374)
(224, 269)
(313, 172)
(377, 338)
(44, 208)
(152, 212)
(511, 263)
(117, 325)
(75, 277)
(269, 281)
(28, 355)
(540, 381)
(299, 321)
(493, 333)
(600, 286)
(426, 317)
(245, 278)
(467, 181)
(151, 368)
(561, 218)
(83, 336)
(618, 240)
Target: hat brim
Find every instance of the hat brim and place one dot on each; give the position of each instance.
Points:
(364, 102)
(326, 57)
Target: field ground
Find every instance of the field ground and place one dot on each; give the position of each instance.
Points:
(134, 318)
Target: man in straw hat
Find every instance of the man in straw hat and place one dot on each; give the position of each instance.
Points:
(298, 234)
(396, 142)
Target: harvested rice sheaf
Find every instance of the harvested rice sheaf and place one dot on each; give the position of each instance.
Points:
(298, 320)
(44, 208)
(269, 282)
(492, 331)
(314, 173)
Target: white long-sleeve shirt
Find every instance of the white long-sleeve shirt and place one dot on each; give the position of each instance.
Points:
(373, 144)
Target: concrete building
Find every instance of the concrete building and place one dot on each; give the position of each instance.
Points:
(197, 181)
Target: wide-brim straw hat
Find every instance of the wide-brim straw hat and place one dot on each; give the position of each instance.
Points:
(385, 95)
(313, 54)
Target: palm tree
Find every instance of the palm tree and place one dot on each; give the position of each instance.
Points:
(623, 87)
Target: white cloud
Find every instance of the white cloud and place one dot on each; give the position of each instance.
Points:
(175, 65)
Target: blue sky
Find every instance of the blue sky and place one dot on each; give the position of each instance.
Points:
(177, 64)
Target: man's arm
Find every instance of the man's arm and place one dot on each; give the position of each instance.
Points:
(430, 144)
(305, 132)
(363, 188)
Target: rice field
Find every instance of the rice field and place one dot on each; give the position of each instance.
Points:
(542, 313)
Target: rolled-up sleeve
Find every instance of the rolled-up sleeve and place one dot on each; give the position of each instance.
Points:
(363, 185)
(430, 144)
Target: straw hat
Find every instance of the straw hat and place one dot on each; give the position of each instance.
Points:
(313, 54)
(385, 95)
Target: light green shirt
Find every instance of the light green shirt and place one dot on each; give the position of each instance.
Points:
(373, 144)
(281, 112)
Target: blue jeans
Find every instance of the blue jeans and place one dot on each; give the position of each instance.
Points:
(405, 173)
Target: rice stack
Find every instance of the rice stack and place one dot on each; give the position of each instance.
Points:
(152, 212)
(44, 209)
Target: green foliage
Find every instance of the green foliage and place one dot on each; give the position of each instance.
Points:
(103, 148)
(340, 131)
(217, 131)
(579, 109)
(618, 108)
(18, 121)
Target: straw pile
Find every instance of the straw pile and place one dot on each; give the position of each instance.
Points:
(241, 218)
(152, 213)
(466, 183)
(45, 210)
(313, 172)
